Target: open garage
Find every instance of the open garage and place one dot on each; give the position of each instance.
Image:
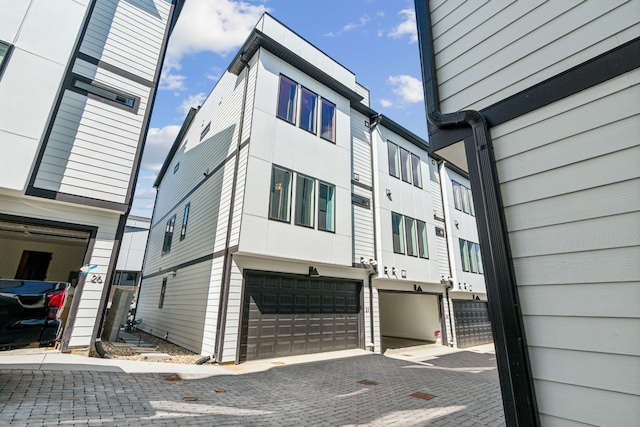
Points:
(408, 318)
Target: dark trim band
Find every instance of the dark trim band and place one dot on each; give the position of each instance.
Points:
(115, 70)
(180, 266)
(78, 200)
(361, 185)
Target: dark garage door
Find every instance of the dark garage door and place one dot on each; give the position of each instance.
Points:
(472, 323)
(286, 316)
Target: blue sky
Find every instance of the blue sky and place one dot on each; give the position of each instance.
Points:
(375, 39)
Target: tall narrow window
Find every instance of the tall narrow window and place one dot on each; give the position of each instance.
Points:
(412, 236)
(423, 248)
(472, 257)
(472, 210)
(280, 201)
(4, 49)
(479, 257)
(326, 207)
(185, 219)
(415, 169)
(405, 165)
(457, 195)
(464, 254)
(394, 159)
(398, 233)
(163, 289)
(308, 101)
(305, 196)
(465, 199)
(287, 100)
(168, 235)
(328, 121)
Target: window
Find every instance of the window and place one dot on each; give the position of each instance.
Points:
(4, 53)
(464, 253)
(163, 289)
(308, 102)
(105, 93)
(326, 207)
(328, 121)
(360, 201)
(471, 257)
(423, 248)
(462, 198)
(405, 165)
(185, 218)
(280, 202)
(287, 100)
(415, 169)
(305, 196)
(394, 159)
(412, 236)
(398, 233)
(168, 235)
(176, 167)
(205, 131)
(124, 278)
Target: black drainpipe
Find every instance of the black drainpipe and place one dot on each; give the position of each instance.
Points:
(516, 381)
(228, 257)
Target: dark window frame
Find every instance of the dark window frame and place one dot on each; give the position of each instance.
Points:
(185, 219)
(328, 185)
(135, 100)
(416, 170)
(324, 101)
(7, 55)
(290, 190)
(205, 131)
(315, 110)
(168, 235)
(312, 208)
(411, 236)
(400, 247)
(423, 246)
(163, 291)
(395, 161)
(294, 103)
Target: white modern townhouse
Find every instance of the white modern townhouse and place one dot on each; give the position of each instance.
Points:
(540, 103)
(291, 218)
(77, 84)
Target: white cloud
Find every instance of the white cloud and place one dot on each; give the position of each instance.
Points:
(158, 143)
(408, 88)
(192, 101)
(363, 21)
(214, 74)
(386, 103)
(170, 81)
(150, 177)
(218, 26)
(408, 26)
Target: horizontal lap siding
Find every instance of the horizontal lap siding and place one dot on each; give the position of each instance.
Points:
(92, 145)
(183, 311)
(571, 192)
(363, 238)
(488, 51)
(116, 36)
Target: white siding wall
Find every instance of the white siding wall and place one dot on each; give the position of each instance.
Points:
(408, 200)
(127, 34)
(572, 203)
(489, 50)
(32, 77)
(107, 223)
(363, 237)
(466, 229)
(183, 312)
(438, 215)
(281, 143)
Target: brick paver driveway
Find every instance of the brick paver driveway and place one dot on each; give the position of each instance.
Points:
(328, 393)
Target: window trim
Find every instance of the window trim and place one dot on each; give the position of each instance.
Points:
(168, 232)
(400, 233)
(205, 131)
(295, 100)
(313, 201)
(404, 166)
(411, 237)
(291, 174)
(185, 219)
(334, 206)
(101, 98)
(416, 171)
(6, 57)
(333, 120)
(315, 111)
(163, 291)
(423, 252)
(396, 162)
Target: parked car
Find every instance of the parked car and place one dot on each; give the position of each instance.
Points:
(30, 312)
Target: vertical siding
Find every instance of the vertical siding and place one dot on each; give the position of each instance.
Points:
(213, 301)
(487, 51)
(572, 205)
(127, 34)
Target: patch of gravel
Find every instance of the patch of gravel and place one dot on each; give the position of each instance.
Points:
(178, 354)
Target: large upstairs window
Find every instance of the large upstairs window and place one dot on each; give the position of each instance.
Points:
(308, 105)
(328, 121)
(404, 164)
(287, 99)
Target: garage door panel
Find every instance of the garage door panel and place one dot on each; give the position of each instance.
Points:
(288, 316)
(472, 323)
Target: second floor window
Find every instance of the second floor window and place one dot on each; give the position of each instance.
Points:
(168, 235)
(305, 196)
(471, 257)
(280, 200)
(328, 121)
(185, 219)
(326, 207)
(462, 198)
(308, 102)
(404, 165)
(409, 236)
